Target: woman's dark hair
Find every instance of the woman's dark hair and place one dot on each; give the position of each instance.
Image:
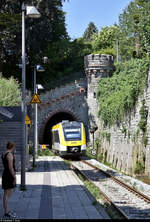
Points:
(10, 145)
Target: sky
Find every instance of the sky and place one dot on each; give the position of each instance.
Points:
(101, 12)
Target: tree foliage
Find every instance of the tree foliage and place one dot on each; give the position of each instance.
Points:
(132, 33)
(45, 36)
(104, 42)
(90, 30)
(134, 24)
(40, 33)
(67, 58)
(105, 38)
(10, 94)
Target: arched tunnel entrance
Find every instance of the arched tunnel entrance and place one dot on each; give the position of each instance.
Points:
(53, 120)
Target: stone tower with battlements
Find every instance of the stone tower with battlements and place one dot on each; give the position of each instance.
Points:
(96, 66)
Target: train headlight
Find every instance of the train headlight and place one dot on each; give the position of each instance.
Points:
(83, 147)
(63, 148)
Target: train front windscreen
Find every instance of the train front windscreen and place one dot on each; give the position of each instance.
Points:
(72, 133)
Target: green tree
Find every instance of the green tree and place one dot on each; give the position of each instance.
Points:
(47, 29)
(66, 57)
(129, 38)
(105, 40)
(144, 26)
(10, 93)
(134, 24)
(78, 49)
(91, 29)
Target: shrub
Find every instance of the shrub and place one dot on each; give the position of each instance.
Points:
(10, 93)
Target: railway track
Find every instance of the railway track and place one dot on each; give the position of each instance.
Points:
(130, 203)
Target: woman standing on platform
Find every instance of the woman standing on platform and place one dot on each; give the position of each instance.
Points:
(8, 177)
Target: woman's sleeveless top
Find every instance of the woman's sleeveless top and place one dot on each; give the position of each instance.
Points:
(5, 162)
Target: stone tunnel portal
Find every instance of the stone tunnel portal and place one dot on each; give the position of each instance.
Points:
(53, 120)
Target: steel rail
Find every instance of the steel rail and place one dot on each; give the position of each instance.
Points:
(131, 189)
(107, 199)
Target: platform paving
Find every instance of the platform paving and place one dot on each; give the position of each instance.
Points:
(53, 191)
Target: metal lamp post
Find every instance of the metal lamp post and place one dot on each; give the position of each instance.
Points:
(31, 12)
(92, 131)
(37, 68)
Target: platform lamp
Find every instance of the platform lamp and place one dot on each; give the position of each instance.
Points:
(92, 131)
(37, 68)
(32, 12)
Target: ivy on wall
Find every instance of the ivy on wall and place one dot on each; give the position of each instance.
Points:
(143, 121)
(118, 94)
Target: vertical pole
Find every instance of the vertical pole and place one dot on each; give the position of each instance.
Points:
(26, 139)
(26, 144)
(93, 141)
(96, 151)
(35, 122)
(36, 129)
(23, 101)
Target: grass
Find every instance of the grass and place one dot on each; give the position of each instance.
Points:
(95, 192)
(93, 189)
(45, 152)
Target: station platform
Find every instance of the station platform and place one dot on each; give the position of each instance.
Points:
(53, 191)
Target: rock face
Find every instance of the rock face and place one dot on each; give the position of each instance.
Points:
(124, 146)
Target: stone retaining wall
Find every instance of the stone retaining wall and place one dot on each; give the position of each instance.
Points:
(125, 148)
